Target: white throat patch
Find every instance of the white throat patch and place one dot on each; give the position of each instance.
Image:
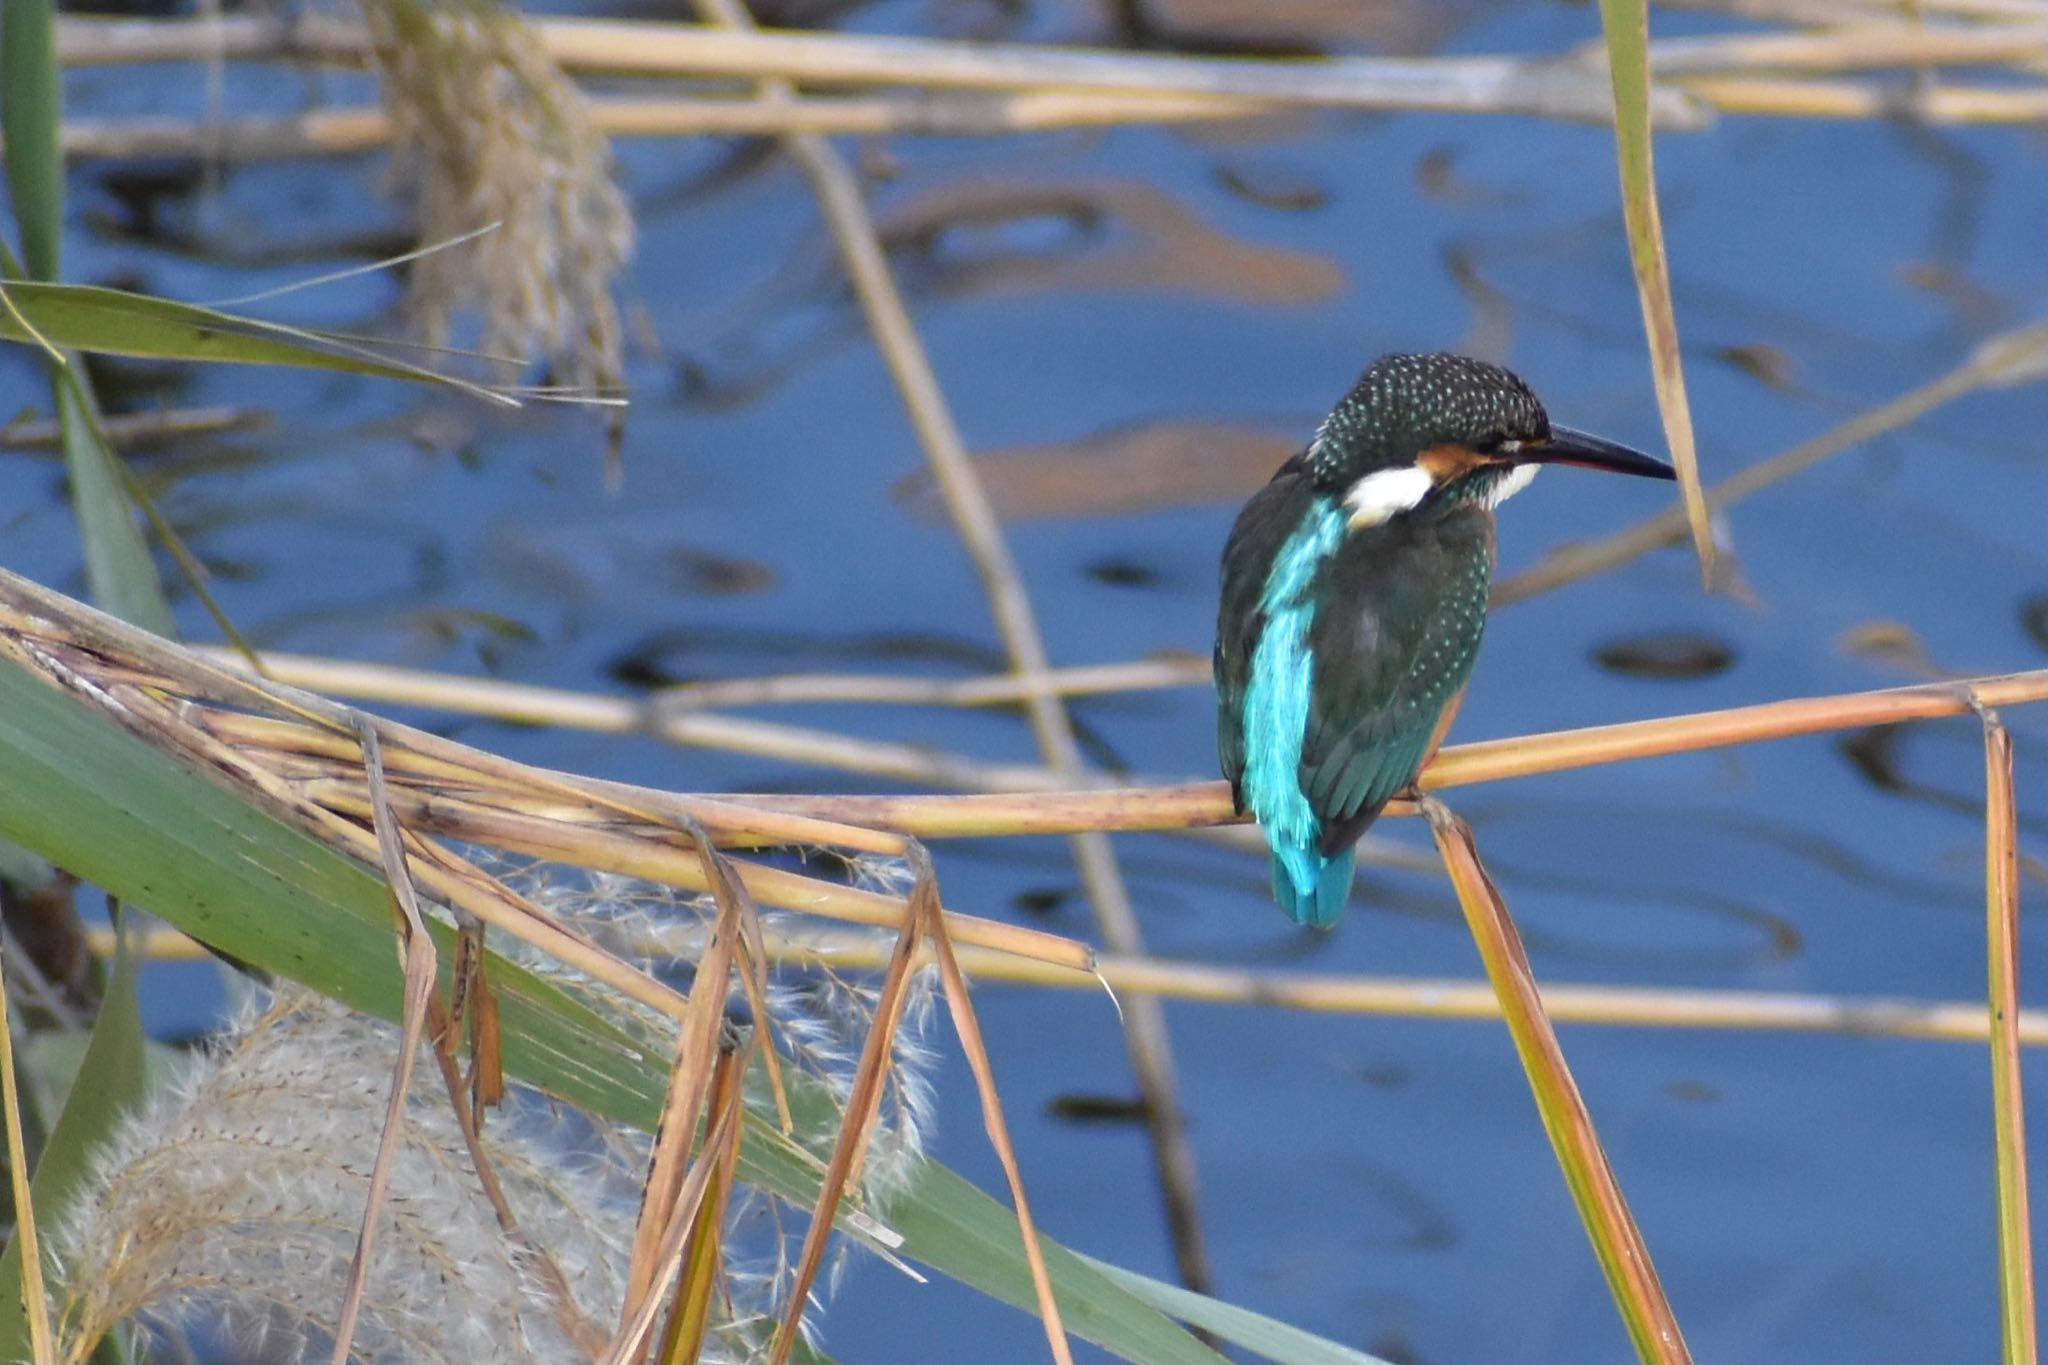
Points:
(1385, 493)
(1511, 483)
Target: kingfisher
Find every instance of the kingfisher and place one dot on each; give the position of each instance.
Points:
(1354, 595)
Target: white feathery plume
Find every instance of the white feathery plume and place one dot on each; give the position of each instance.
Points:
(234, 1198)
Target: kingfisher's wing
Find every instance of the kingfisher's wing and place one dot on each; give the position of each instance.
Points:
(1394, 641)
(1261, 528)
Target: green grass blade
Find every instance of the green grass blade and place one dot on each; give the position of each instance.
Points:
(117, 561)
(1257, 1333)
(30, 110)
(113, 1078)
(1626, 26)
(115, 322)
(951, 1225)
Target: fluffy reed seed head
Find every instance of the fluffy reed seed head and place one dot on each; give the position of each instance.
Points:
(489, 130)
(232, 1201)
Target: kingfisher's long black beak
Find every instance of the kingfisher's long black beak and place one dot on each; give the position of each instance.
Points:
(1566, 446)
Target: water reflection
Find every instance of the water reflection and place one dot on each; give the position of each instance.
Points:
(980, 237)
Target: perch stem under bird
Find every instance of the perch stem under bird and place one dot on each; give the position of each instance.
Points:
(1354, 597)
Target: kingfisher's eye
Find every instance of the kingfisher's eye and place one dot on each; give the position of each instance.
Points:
(1492, 442)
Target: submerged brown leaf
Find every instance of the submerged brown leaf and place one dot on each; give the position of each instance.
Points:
(1003, 235)
(1119, 471)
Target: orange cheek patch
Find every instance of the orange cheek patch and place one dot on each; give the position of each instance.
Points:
(1448, 462)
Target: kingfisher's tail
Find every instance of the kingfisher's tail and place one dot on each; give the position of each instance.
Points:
(1312, 889)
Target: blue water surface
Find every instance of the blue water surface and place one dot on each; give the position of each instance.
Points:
(1383, 1181)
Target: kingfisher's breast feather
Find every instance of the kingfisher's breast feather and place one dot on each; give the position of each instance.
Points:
(1403, 609)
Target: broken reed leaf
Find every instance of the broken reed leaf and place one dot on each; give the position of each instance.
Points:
(1625, 25)
(418, 962)
(1617, 1242)
(924, 904)
(630, 1342)
(689, 1084)
(115, 322)
(2018, 1318)
(682, 1338)
(863, 1102)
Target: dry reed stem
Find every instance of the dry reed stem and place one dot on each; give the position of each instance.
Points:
(1542, 86)
(1039, 86)
(417, 960)
(1400, 997)
(35, 1305)
(1827, 13)
(973, 516)
(961, 1006)
(2002, 909)
(136, 428)
(1491, 760)
(655, 856)
(1193, 804)
(1045, 808)
(1612, 1228)
(1864, 47)
(863, 1104)
(431, 755)
(343, 132)
(993, 689)
(1938, 104)
(473, 1006)
(938, 113)
(62, 640)
(527, 703)
(140, 709)
(432, 764)
(644, 849)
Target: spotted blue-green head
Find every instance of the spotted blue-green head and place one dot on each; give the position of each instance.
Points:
(1354, 597)
(1439, 430)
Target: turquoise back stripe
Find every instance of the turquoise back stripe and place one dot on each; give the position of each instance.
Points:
(1276, 697)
